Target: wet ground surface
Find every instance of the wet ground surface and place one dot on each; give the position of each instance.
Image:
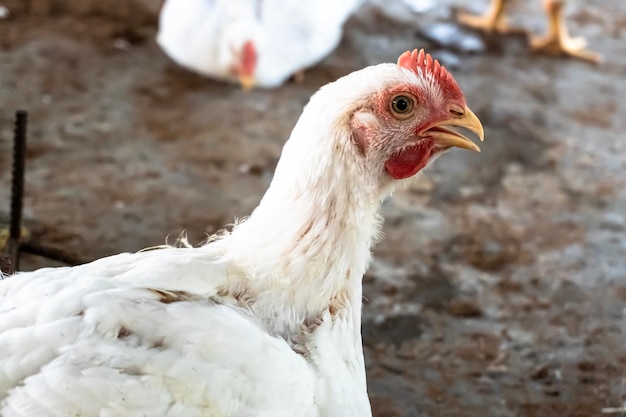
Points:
(500, 288)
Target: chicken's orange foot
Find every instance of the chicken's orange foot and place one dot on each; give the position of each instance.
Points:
(493, 20)
(575, 47)
(557, 41)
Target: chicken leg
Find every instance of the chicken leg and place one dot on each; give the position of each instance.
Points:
(557, 40)
(492, 21)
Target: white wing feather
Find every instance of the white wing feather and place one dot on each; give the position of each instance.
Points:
(100, 345)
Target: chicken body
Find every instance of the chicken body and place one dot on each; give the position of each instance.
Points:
(556, 41)
(109, 339)
(255, 42)
(261, 321)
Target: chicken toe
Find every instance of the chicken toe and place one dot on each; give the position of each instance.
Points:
(493, 20)
(557, 40)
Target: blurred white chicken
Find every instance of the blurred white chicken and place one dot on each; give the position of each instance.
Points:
(262, 321)
(254, 42)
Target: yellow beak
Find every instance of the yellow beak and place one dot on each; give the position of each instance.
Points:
(246, 81)
(448, 138)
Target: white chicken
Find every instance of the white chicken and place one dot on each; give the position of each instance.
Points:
(264, 320)
(254, 42)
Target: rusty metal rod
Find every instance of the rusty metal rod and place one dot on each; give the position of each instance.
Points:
(17, 187)
(15, 245)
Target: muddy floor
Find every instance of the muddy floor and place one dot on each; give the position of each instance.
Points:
(500, 288)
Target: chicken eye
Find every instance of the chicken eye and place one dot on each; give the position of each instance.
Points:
(402, 105)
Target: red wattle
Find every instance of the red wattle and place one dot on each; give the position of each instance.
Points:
(409, 161)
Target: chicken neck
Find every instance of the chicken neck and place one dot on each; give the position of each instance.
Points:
(305, 248)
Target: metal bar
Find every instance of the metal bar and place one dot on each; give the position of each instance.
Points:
(17, 188)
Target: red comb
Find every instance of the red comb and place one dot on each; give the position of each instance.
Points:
(420, 59)
(248, 59)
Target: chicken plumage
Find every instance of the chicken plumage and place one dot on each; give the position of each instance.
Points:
(556, 41)
(254, 42)
(264, 320)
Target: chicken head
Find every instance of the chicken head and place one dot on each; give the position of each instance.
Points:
(408, 124)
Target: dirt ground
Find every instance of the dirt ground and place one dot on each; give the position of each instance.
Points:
(500, 288)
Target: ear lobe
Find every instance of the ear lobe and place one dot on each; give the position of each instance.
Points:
(364, 126)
